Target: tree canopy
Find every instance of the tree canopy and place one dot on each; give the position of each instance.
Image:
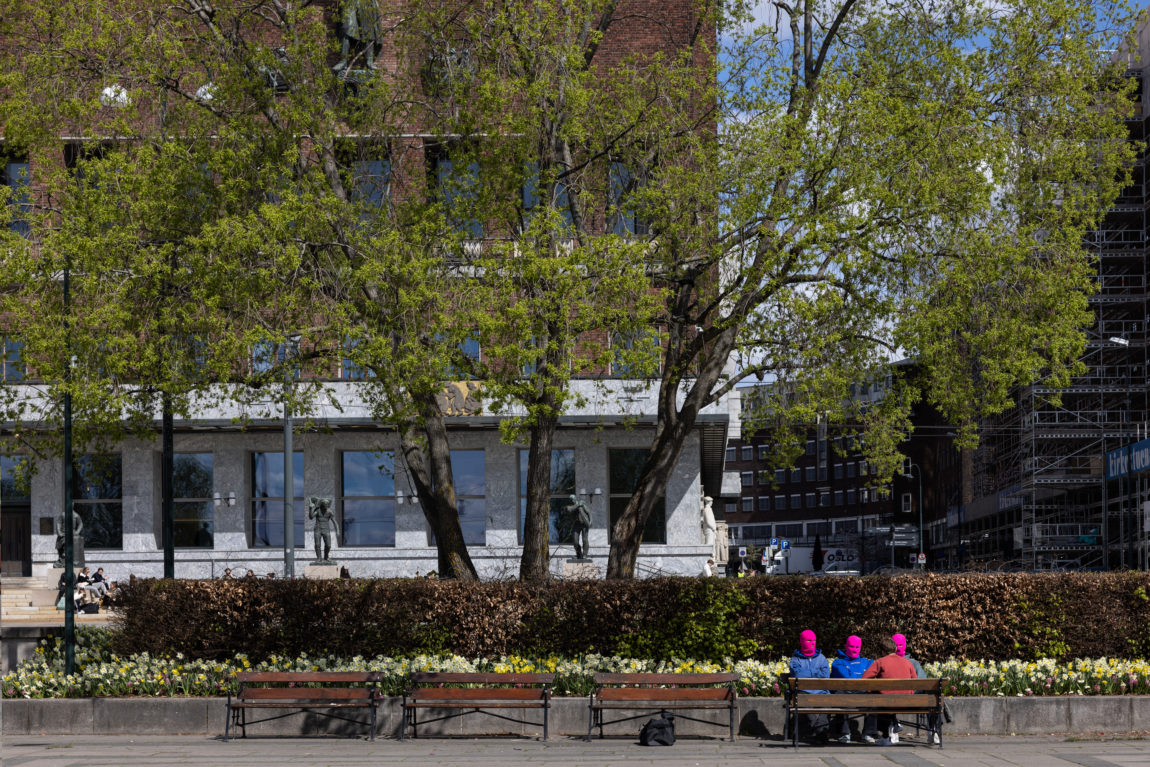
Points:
(798, 193)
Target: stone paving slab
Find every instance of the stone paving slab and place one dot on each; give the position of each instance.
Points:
(148, 751)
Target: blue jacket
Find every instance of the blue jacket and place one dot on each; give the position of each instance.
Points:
(845, 668)
(814, 667)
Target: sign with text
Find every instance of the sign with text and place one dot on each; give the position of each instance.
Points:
(1131, 459)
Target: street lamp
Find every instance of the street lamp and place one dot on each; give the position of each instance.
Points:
(908, 473)
(291, 351)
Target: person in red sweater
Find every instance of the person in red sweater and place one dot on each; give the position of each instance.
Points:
(890, 666)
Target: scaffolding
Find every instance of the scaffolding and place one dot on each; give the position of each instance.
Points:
(1043, 463)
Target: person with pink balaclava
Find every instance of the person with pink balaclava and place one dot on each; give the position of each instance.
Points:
(809, 663)
(849, 664)
(890, 666)
(932, 720)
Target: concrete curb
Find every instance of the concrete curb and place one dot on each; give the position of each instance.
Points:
(758, 717)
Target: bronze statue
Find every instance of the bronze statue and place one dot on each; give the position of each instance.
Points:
(77, 539)
(580, 525)
(360, 34)
(319, 509)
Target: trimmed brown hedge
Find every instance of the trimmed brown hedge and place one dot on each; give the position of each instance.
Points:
(994, 616)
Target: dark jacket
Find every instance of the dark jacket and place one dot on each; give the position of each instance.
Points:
(917, 667)
(814, 667)
(845, 668)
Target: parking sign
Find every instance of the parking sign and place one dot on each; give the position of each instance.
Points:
(774, 543)
(784, 544)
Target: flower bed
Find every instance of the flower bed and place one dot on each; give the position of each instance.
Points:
(100, 673)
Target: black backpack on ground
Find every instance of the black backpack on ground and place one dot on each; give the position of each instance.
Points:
(659, 731)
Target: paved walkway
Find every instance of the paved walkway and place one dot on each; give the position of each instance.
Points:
(131, 751)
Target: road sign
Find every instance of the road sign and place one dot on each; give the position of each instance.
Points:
(742, 551)
(921, 558)
(766, 555)
(774, 543)
(784, 544)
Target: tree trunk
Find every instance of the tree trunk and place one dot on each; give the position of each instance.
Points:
(535, 563)
(627, 534)
(430, 468)
(672, 428)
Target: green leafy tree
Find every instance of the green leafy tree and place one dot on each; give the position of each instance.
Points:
(892, 179)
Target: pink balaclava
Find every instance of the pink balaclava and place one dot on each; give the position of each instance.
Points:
(853, 647)
(807, 642)
(899, 644)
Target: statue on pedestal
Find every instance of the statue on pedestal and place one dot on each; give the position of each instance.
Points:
(580, 525)
(319, 509)
(77, 539)
(708, 521)
(360, 34)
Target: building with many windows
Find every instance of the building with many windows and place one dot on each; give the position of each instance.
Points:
(229, 481)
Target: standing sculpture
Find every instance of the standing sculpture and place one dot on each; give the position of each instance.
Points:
(319, 509)
(360, 34)
(708, 521)
(580, 525)
(77, 539)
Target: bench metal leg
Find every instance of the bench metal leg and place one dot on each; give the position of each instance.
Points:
(732, 721)
(590, 715)
(228, 719)
(546, 711)
(403, 719)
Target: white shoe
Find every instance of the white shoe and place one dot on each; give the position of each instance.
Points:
(845, 739)
(868, 739)
(893, 738)
(934, 739)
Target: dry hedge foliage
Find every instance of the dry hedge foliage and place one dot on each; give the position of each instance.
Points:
(997, 616)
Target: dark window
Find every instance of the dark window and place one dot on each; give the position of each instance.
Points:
(193, 514)
(556, 198)
(851, 470)
(732, 454)
(562, 480)
(846, 526)
(764, 503)
(810, 447)
(468, 471)
(748, 453)
(747, 477)
(350, 368)
(796, 500)
(780, 503)
(12, 363)
(97, 497)
(634, 354)
(838, 497)
(748, 504)
(16, 174)
(789, 531)
(622, 218)
(796, 475)
(11, 489)
(780, 476)
(268, 499)
(624, 465)
(818, 528)
(838, 471)
(368, 500)
(852, 497)
(457, 186)
(764, 452)
(810, 473)
(810, 500)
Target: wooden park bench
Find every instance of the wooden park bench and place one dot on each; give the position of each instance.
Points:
(323, 692)
(474, 693)
(864, 696)
(653, 693)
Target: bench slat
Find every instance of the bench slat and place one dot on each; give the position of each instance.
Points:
(665, 679)
(446, 677)
(667, 693)
(306, 693)
(875, 701)
(474, 704)
(923, 685)
(471, 693)
(309, 677)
